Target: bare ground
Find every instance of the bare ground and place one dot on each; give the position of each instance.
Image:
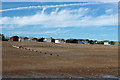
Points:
(50, 60)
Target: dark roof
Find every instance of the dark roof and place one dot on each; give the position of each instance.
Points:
(34, 38)
(15, 36)
(25, 38)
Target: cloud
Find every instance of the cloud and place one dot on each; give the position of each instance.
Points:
(103, 35)
(60, 1)
(54, 12)
(109, 10)
(62, 18)
(38, 33)
(47, 6)
(105, 1)
(43, 10)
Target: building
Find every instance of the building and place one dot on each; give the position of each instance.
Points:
(109, 42)
(71, 41)
(91, 42)
(95, 42)
(20, 39)
(59, 41)
(83, 41)
(40, 39)
(67, 41)
(49, 39)
(34, 39)
(106, 43)
(14, 38)
(23, 39)
(80, 41)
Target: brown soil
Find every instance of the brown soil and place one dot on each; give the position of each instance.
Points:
(50, 60)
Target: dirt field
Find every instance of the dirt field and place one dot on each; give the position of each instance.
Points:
(50, 60)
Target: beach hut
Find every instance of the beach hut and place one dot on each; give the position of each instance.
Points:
(111, 42)
(26, 39)
(49, 39)
(20, 39)
(23, 39)
(71, 41)
(40, 39)
(14, 38)
(106, 43)
(34, 39)
(67, 41)
(86, 41)
(91, 42)
(95, 42)
(59, 41)
(80, 41)
(83, 41)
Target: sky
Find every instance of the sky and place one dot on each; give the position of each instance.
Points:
(80, 20)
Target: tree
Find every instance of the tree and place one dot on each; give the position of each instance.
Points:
(100, 42)
(106, 40)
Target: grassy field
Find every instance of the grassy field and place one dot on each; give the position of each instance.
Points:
(50, 60)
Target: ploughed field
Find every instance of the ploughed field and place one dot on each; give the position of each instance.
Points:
(50, 60)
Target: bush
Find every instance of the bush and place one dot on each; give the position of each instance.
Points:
(100, 42)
